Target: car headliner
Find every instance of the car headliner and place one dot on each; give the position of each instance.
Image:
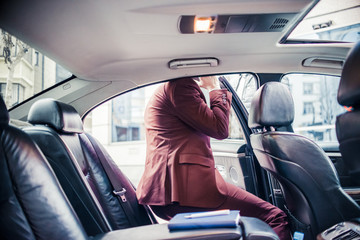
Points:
(115, 45)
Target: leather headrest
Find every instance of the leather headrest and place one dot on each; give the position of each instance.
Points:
(349, 88)
(4, 114)
(272, 105)
(60, 116)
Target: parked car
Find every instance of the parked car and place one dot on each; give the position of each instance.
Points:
(105, 58)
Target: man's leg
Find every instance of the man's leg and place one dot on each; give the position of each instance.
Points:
(252, 206)
(238, 199)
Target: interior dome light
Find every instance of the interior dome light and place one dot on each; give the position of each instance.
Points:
(204, 24)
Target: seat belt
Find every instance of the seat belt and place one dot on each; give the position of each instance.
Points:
(119, 191)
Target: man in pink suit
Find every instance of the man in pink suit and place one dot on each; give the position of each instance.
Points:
(180, 173)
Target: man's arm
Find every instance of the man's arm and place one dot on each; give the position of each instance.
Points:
(191, 108)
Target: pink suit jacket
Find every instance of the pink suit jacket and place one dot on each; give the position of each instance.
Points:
(179, 163)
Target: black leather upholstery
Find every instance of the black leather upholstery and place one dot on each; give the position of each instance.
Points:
(59, 116)
(348, 124)
(307, 176)
(71, 181)
(32, 204)
(278, 114)
(78, 169)
(349, 88)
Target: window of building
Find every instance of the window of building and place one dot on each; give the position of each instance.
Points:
(308, 108)
(18, 92)
(36, 58)
(2, 89)
(308, 88)
(316, 107)
(127, 112)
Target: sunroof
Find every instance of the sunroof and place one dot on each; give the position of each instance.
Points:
(330, 20)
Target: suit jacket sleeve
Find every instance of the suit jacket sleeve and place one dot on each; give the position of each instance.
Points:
(190, 106)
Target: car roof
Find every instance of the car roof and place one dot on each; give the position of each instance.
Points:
(112, 46)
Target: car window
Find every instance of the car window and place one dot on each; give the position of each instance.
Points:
(119, 125)
(245, 86)
(235, 130)
(316, 106)
(330, 20)
(24, 71)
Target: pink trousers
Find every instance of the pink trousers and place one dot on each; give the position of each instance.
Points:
(238, 199)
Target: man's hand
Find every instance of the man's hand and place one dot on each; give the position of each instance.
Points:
(210, 83)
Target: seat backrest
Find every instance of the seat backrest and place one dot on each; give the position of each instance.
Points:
(58, 131)
(348, 124)
(307, 176)
(32, 203)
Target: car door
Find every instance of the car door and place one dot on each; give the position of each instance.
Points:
(233, 156)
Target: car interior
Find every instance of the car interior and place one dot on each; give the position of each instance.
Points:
(63, 178)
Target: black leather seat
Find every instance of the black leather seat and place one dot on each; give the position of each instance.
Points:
(32, 204)
(58, 131)
(348, 124)
(307, 176)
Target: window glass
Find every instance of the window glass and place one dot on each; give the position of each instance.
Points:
(316, 106)
(25, 71)
(330, 20)
(17, 94)
(119, 125)
(127, 110)
(235, 130)
(245, 86)
(120, 132)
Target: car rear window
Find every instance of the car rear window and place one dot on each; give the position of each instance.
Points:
(25, 71)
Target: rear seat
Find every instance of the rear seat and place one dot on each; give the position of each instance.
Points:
(33, 205)
(58, 131)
